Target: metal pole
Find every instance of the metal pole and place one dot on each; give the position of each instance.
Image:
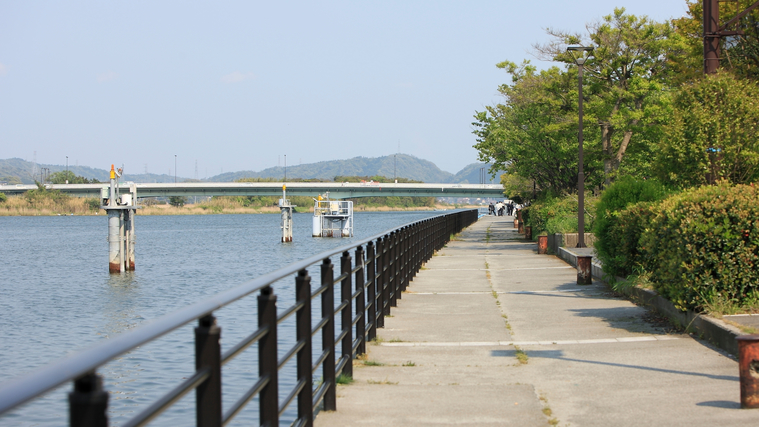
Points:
(88, 403)
(208, 356)
(175, 168)
(580, 175)
(711, 36)
(360, 301)
(328, 335)
(371, 295)
(346, 316)
(304, 358)
(267, 358)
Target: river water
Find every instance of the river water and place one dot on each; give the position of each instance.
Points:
(57, 297)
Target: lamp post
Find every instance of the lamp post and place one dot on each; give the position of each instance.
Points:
(175, 168)
(580, 54)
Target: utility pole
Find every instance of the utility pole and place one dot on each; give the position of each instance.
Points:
(713, 31)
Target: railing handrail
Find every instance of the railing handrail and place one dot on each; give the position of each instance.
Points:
(26, 387)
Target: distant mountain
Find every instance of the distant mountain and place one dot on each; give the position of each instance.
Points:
(14, 171)
(474, 174)
(399, 165)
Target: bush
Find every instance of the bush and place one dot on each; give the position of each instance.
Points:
(3, 198)
(702, 247)
(557, 215)
(618, 229)
(177, 201)
(93, 203)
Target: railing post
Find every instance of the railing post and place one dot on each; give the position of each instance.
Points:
(208, 356)
(381, 270)
(371, 296)
(360, 301)
(328, 335)
(268, 403)
(387, 245)
(304, 357)
(405, 264)
(393, 281)
(88, 402)
(346, 315)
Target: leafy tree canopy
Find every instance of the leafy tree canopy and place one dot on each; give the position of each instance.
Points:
(69, 177)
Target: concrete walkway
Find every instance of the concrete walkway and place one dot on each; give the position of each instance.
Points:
(492, 334)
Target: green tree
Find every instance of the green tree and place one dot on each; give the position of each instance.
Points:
(627, 76)
(713, 134)
(66, 176)
(177, 201)
(533, 133)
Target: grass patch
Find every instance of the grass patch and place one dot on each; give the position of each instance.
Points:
(521, 356)
(372, 363)
(344, 379)
(383, 382)
(396, 340)
(409, 363)
(377, 341)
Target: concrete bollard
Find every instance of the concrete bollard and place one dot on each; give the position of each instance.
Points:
(542, 245)
(748, 366)
(528, 233)
(584, 270)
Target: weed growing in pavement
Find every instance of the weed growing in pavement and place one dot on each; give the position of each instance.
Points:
(344, 379)
(383, 382)
(522, 357)
(409, 363)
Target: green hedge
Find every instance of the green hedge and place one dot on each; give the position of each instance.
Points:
(702, 246)
(557, 215)
(618, 228)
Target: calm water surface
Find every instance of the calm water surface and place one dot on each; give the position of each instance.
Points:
(57, 297)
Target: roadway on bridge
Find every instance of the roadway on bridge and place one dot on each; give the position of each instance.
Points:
(450, 354)
(337, 190)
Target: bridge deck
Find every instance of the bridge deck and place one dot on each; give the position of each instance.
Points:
(337, 190)
(450, 354)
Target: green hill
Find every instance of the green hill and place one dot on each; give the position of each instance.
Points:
(14, 171)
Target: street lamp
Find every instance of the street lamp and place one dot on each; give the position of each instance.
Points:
(580, 54)
(175, 168)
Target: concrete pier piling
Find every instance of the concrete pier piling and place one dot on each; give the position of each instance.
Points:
(120, 209)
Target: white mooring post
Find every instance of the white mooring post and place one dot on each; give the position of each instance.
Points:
(287, 216)
(121, 237)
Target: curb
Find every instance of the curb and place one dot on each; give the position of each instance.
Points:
(709, 328)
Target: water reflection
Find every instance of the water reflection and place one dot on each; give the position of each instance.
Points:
(119, 309)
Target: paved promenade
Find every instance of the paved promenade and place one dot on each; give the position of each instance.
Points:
(492, 334)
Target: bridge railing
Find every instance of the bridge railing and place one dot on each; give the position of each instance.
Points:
(369, 284)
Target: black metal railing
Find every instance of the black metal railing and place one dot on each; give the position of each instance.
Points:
(370, 283)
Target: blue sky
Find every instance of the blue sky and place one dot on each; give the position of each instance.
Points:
(236, 85)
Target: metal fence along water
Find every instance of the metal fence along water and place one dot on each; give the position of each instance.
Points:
(372, 275)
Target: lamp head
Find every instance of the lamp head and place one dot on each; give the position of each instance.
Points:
(580, 53)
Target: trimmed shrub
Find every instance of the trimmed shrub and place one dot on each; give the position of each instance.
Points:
(702, 247)
(618, 229)
(557, 215)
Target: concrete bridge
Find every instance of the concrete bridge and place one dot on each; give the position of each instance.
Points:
(336, 190)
